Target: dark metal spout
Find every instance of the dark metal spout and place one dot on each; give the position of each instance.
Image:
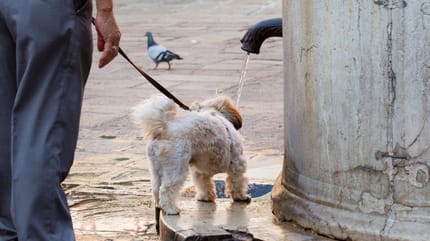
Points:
(255, 36)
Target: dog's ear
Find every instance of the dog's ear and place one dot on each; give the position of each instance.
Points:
(229, 111)
(225, 106)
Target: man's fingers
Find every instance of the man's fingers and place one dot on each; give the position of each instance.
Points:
(109, 53)
(108, 38)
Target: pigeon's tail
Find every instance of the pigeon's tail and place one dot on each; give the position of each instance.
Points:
(169, 55)
(153, 114)
(178, 57)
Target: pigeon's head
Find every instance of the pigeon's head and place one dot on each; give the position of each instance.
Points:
(148, 34)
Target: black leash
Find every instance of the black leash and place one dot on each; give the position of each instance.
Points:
(157, 85)
(154, 82)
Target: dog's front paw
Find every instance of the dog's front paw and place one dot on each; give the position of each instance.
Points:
(208, 200)
(246, 199)
(206, 197)
(171, 211)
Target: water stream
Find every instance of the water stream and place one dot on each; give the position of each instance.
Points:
(242, 78)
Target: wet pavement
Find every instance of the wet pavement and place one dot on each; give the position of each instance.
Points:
(230, 221)
(109, 185)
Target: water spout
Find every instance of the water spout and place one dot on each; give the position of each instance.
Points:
(256, 34)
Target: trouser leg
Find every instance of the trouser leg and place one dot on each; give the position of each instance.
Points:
(7, 96)
(54, 47)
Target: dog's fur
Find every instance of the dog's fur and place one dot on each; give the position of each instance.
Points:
(203, 141)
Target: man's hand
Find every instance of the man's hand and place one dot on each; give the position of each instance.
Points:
(108, 33)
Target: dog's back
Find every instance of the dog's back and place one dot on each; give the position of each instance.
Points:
(153, 113)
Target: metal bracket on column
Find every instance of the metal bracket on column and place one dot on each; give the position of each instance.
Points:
(380, 154)
(399, 152)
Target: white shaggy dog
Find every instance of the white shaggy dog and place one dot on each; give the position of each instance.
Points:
(204, 141)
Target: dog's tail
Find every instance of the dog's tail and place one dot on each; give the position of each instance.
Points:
(153, 114)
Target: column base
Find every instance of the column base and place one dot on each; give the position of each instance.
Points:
(346, 224)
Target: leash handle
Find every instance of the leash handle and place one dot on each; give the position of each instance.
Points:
(157, 85)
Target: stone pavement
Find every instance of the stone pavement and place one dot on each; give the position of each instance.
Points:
(109, 185)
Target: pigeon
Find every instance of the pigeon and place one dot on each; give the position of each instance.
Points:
(159, 53)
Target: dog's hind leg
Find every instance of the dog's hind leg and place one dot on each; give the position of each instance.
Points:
(205, 186)
(155, 168)
(173, 178)
(152, 152)
(156, 183)
(237, 182)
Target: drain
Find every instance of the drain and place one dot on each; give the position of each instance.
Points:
(254, 189)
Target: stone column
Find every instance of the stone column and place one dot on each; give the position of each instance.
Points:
(357, 118)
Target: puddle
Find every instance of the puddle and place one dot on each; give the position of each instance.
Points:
(254, 189)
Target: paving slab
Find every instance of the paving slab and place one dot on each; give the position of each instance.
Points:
(228, 221)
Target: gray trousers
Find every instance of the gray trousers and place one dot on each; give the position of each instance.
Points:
(45, 58)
